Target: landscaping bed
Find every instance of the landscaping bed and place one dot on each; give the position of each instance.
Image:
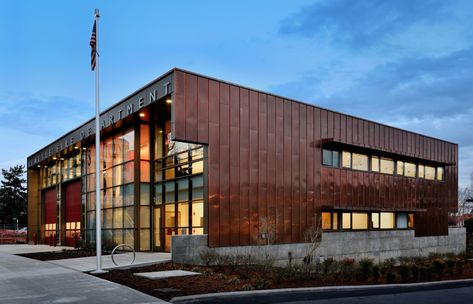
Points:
(60, 255)
(237, 277)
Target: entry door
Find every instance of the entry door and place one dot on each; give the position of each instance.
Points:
(157, 229)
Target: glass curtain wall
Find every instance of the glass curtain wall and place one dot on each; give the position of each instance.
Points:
(179, 188)
(116, 189)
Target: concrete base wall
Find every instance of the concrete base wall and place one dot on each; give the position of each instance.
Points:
(377, 245)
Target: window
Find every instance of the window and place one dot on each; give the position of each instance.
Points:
(439, 173)
(360, 220)
(375, 164)
(387, 220)
(400, 168)
(335, 221)
(375, 220)
(359, 162)
(410, 223)
(410, 170)
(346, 220)
(401, 221)
(346, 159)
(421, 171)
(331, 158)
(386, 166)
(429, 173)
(326, 220)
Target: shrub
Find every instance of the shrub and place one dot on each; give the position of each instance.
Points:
(347, 268)
(459, 264)
(376, 272)
(450, 262)
(234, 281)
(261, 283)
(390, 276)
(247, 287)
(208, 257)
(328, 266)
(439, 266)
(387, 265)
(365, 267)
(469, 225)
(405, 272)
(415, 271)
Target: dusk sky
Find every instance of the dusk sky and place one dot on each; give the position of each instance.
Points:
(408, 64)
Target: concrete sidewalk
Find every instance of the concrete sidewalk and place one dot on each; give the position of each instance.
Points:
(24, 248)
(87, 264)
(123, 260)
(25, 280)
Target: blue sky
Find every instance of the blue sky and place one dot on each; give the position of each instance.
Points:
(404, 63)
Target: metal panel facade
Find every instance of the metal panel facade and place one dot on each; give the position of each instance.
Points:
(265, 161)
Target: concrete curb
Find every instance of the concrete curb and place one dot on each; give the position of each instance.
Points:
(294, 294)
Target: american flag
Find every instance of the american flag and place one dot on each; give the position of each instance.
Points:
(93, 44)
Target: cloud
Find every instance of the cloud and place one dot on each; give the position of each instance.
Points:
(361, 24)
(51, 116)
(404, 63)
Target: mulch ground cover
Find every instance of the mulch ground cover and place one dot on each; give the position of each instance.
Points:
(215, 279)
(59, 255)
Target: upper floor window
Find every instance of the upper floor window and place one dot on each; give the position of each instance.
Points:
(359, 162)
(410, 169)
(429, 172)
(375, 163)
(331, 158)
(387, 166)
(439, 173)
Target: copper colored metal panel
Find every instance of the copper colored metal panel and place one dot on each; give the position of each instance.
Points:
(295, 202)
(234, 166)
(254, 219)
(280, 168)
(343, 128)
(262, 155)
(191, 108)
(349, 129)
(179, 106)
(303, 170)
(330, 125)
(271, 162)
(214, 165)
(287, 217)
(324, 123)
(203, 110)
(224, 164)
(265, 159)
(310, 163)
(244, 167)
(337, 123)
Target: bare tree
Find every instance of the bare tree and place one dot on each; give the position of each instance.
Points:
(313, 236)
(465, 197)
(267, 229)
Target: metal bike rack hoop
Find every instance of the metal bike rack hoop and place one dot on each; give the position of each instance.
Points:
(124, 246)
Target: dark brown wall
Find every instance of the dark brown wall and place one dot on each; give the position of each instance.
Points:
(265, 160)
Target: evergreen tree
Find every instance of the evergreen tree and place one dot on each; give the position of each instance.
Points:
(13, 198)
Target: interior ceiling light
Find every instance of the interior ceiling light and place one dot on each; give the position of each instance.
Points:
(142, 114)
(169, 100)
(76, 147)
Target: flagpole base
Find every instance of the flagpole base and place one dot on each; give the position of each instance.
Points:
(99, 271)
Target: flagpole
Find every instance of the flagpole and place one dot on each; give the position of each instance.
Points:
(98, 217)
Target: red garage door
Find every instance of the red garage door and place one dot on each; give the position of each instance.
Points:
(73, 213)
(50, 215)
